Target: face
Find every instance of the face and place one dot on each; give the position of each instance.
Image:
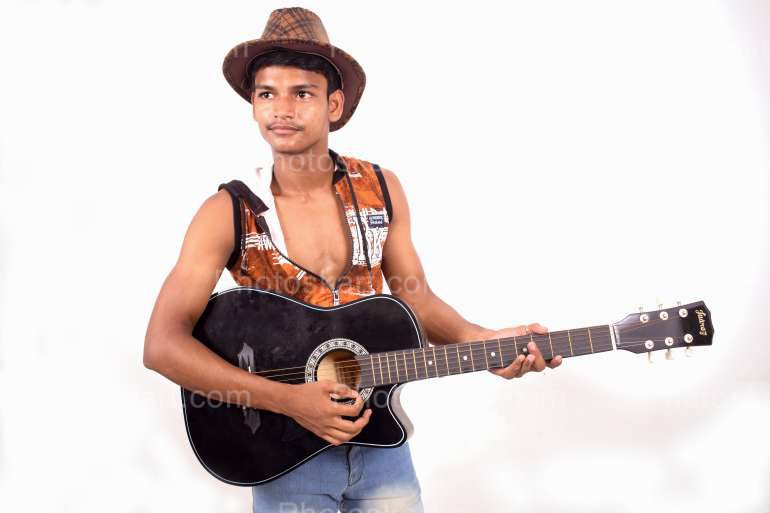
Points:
(291, 108)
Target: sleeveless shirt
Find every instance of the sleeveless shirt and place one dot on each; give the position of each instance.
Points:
(259, 258)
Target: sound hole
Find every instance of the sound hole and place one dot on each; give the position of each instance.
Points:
(340, 366)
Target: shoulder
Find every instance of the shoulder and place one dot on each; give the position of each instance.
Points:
(392, 180)
(397, 197)
(216, 207)
(361, 166)
(211, 229)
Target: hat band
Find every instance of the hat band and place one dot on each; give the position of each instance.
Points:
(339, 73)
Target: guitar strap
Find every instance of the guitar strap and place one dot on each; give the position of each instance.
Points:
(239, 189)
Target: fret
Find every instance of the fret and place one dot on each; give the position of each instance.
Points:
(371, 361)
(446, 361)
(460, 359)
(515, 348)
(395, 360)
(602, 341)
(580, 342)
(500, 348)
(470, 350)
(550, 343)
(479, 349)
(425, 363)
(416, 372)
(379, 361)
(467, 360)
(446, 365)
(406, 368)
(494, 355)
(589, 340)
(435, 362)
(476, 355)
(569, 339)
(387, 364)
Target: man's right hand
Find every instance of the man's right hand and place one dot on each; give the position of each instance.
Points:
(312, 406)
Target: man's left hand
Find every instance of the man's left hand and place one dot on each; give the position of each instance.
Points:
(534, 361)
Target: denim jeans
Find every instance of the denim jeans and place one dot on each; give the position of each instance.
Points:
(348, 478)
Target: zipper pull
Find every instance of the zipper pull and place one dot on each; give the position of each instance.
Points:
(336, 295)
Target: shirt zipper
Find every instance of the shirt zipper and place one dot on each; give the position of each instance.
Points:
(350, 256)
(334, 290)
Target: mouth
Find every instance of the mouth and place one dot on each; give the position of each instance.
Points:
(284, 130)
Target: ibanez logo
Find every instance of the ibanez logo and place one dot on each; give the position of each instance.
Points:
(701, 321)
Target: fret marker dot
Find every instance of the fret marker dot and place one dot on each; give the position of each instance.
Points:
(430, 362)
(465, 358)
(492, 353)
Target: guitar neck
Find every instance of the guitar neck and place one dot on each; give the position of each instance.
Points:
(448, 359)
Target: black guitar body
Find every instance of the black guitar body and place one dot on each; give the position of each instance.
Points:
(262, 331)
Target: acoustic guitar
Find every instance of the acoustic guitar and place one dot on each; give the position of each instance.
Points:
(374, 345)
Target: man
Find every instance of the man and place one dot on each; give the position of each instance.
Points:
(324, 245)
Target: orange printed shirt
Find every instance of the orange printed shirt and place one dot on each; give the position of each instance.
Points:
(259, 257)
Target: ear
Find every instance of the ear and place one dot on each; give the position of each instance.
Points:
(336, 105)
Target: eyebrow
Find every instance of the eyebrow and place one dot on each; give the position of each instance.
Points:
(271, 88)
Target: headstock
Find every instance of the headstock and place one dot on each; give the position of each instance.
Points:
(666, 328)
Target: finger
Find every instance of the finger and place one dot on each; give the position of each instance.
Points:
(536, 327)
(346, 426)
(533, 349)
(340, 436)
(350, 410)
(342, 391)
(361, 422)
(538, 363)
(512, 370)
(331, 440)
(555, 361)
(526, 365)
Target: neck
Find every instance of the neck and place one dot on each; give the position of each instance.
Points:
(302, 173)
(444, 360)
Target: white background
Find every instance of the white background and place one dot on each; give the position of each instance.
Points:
(565, 163)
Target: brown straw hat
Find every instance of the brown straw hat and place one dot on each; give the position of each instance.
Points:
(301, 30)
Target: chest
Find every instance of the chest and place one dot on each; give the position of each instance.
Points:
(317, 234)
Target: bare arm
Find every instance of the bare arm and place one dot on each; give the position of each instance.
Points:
(169, 347)
(443, 325)
(171, 350)
(406, 278)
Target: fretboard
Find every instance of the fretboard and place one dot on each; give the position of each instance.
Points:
(449, 359)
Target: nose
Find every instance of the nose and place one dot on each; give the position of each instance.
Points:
(283, 107)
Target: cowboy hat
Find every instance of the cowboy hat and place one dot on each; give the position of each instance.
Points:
(301, 30)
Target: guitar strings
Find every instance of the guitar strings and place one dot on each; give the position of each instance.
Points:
(452, 361)
(563, 349)
(558, 336)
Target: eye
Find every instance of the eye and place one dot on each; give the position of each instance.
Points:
(302, 91)
(259, 95)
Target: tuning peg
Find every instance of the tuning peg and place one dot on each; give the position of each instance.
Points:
(678, 303)
(669, 354)
(688, 352)
(641, 309)
(660, 305)
(649, 356)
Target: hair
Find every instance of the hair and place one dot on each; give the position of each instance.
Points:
(306, 61)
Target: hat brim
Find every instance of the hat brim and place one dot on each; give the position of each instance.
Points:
(237, 62)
